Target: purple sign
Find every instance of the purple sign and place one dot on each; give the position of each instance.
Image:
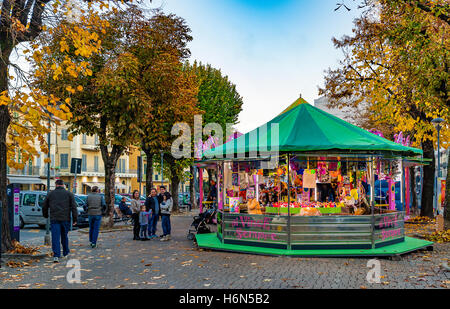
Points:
(16, 209)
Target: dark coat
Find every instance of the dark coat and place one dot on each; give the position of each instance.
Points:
(61, 204)
(150, 204)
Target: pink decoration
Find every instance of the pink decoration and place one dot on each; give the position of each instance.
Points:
(376, 132)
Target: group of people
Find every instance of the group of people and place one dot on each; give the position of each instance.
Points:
(145, 217)
(61, 207)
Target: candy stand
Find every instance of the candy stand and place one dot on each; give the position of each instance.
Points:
(314, 196)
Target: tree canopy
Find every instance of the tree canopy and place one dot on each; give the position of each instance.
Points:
(396, 62)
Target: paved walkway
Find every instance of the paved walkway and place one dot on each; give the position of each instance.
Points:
(119, 262)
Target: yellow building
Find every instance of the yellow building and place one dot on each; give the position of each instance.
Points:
(92, 169)
(34, 174)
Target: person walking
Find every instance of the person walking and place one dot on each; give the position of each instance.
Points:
(143, 221)
(166, 209)
(96, 207)
(61, 205)
(152, 202)
(136, 209)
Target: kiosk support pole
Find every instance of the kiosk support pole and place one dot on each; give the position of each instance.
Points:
(289, 201)
(200, 184)
(372, 200)
(402, 185)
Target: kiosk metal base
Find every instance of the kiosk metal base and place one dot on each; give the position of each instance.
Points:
(211, 241)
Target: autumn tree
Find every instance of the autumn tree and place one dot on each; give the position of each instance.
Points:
(220, 101)
(172, 90)
(108, 100)
(396, 61)
(24, 108)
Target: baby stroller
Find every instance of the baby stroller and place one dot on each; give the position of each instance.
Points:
(201, 222)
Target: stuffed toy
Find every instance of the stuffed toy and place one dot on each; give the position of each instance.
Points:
(254, 207)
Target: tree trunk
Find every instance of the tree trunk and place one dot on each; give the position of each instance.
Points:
(5, 120)
(110, 163)
(412, 179)
(175, 182)
(210, 173)
(447, 195)
(428, 181)
(192, 187)
(149, 171)
(110, 188)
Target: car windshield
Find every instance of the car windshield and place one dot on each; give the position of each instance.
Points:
(82, 197)
(120, 197)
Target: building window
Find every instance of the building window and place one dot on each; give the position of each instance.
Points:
(64, 135)
(84, 163)
(84, 138)
(64, 161)
(121, 166)
(156, 176)
(96, 164)
(96, 140)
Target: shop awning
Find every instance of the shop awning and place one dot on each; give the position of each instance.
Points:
(305, 128)
(101, 186)
(25, 180)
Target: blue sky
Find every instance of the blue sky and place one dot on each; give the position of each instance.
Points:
(273, 50)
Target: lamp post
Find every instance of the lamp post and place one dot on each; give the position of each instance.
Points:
(47, 225)
(162, 165)
(437, 124)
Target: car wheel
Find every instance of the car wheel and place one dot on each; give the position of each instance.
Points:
(22, 224)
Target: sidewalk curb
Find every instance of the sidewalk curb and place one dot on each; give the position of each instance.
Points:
(108, 231)
(23, 256)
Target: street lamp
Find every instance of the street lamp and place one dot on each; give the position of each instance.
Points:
(437, 124)
(47, 225)
(162, 164)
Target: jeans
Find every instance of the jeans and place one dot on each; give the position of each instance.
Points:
(152, 222)
(144, 228)
(136, 225)
(94, 228)
(165, 223)
(60, 229)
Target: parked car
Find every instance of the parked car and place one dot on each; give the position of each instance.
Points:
(130, 196)
(30, 209)
(183, 199)
(117, 199)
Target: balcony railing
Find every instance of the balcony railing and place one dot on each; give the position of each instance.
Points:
(99, 171)
(31, 171)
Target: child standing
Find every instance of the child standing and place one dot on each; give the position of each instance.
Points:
(143, 221)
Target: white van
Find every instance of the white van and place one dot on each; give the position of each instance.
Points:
(30, 209)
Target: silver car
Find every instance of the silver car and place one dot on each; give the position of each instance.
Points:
(30, 210)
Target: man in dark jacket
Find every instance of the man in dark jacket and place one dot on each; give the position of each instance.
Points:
(62, 205)
(152, 202)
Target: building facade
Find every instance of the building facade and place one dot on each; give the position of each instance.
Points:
(33, 176)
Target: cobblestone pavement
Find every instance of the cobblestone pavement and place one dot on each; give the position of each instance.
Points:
(119, 262)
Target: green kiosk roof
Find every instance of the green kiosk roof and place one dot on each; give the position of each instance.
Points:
(305, 128)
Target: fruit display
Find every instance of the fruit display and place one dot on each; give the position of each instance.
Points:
(308, 205)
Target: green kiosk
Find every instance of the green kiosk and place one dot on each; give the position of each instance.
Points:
(304, 185)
